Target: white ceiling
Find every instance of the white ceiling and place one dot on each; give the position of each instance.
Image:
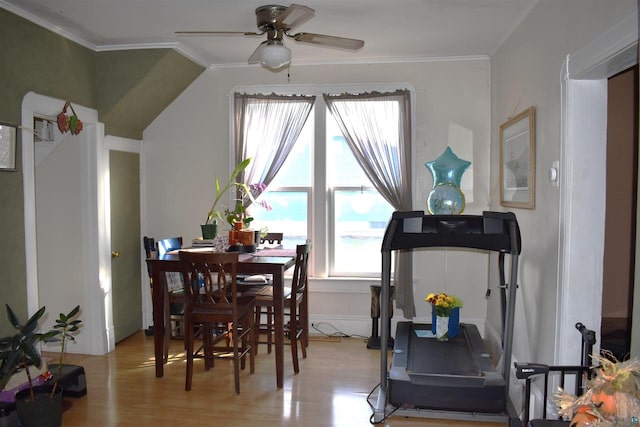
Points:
(393, 30)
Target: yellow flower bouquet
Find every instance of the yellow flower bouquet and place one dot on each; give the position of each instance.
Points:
(445, 315)
(443, 304)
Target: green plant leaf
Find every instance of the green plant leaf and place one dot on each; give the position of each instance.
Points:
(73, 312)
(12, 318)
(32, 323)
(213, 213)
(31, 353)
(239, 168)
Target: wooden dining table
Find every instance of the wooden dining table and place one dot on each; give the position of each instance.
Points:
(265, 261)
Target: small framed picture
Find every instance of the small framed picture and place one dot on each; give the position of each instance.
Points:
(518, 161)
(8, 147)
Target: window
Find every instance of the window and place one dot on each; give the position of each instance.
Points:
(358, 214)
(321, 191)
(290, 193)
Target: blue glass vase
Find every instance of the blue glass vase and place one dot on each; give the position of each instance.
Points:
(446, 198)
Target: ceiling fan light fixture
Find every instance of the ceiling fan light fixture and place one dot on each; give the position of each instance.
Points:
(275, 56)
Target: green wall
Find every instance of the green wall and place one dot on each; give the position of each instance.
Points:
(136, 85)
(128, 88)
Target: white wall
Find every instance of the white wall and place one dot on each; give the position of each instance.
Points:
(188, 144)
(526, 71)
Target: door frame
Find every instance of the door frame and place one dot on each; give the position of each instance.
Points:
(97, 337)
(582, 179)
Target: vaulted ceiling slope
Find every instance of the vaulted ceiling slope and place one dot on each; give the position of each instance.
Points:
(134, 87)
(128, 88)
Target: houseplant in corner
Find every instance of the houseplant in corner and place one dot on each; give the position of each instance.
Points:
(37, 405)
(210, 227)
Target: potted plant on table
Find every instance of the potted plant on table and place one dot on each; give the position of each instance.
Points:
(37, 405)
(240, 219)
(445, 315)
(210, 226)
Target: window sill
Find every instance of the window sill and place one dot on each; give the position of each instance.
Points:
(354, 285)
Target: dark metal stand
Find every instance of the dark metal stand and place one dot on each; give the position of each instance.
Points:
(374, 340)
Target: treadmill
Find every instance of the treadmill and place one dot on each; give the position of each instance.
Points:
(456, 380)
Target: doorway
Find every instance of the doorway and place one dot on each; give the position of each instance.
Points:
(620, 217)
(124, 172)
(60, 213)
(83, 241)
(582, 180)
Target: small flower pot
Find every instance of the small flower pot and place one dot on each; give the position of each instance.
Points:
(209, 231)
(246, 237)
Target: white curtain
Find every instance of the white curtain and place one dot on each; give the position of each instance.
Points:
(377, 128)
(266, 128)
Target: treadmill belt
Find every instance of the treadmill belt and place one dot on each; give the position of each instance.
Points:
(445, 363)
(450, 358)
(457, 375)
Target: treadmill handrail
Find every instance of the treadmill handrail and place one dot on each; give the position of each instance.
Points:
(490, 231)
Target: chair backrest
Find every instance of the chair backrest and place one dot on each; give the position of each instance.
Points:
(210, 278)
(272, 238)
(149, 245)
(300, 278)
(167, 245)
(580, 373)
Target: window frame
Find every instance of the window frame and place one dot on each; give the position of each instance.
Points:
(331, 230)
(319, 221)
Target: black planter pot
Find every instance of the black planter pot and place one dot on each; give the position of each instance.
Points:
(43, 411)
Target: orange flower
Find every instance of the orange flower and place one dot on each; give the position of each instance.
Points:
(443, 303)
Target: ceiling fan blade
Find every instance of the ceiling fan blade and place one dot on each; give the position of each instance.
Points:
(217, 33)
(294, 16)
(256, 56)
(333, 41)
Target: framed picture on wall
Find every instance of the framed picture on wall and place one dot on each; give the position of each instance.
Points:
(8, 147)
(518, 160)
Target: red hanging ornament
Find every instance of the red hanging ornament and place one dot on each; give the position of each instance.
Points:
(69, 122)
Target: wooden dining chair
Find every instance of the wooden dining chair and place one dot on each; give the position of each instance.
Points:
(169, 244)
(173, 296)
(213, 303)
(173, 300)
(296, 307)
(272, 238)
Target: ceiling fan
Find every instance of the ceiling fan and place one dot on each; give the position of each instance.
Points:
(276, 22)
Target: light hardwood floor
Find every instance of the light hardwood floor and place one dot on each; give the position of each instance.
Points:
(330, 390)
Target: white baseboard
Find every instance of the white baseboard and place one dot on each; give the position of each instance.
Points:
(361, 326)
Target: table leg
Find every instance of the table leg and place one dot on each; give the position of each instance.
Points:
(278, 312)
(158, 321)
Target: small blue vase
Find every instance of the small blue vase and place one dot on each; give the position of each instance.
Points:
(454, 322)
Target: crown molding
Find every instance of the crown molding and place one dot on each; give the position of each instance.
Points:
(167, 45)
(46, 25)
(202, 62)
